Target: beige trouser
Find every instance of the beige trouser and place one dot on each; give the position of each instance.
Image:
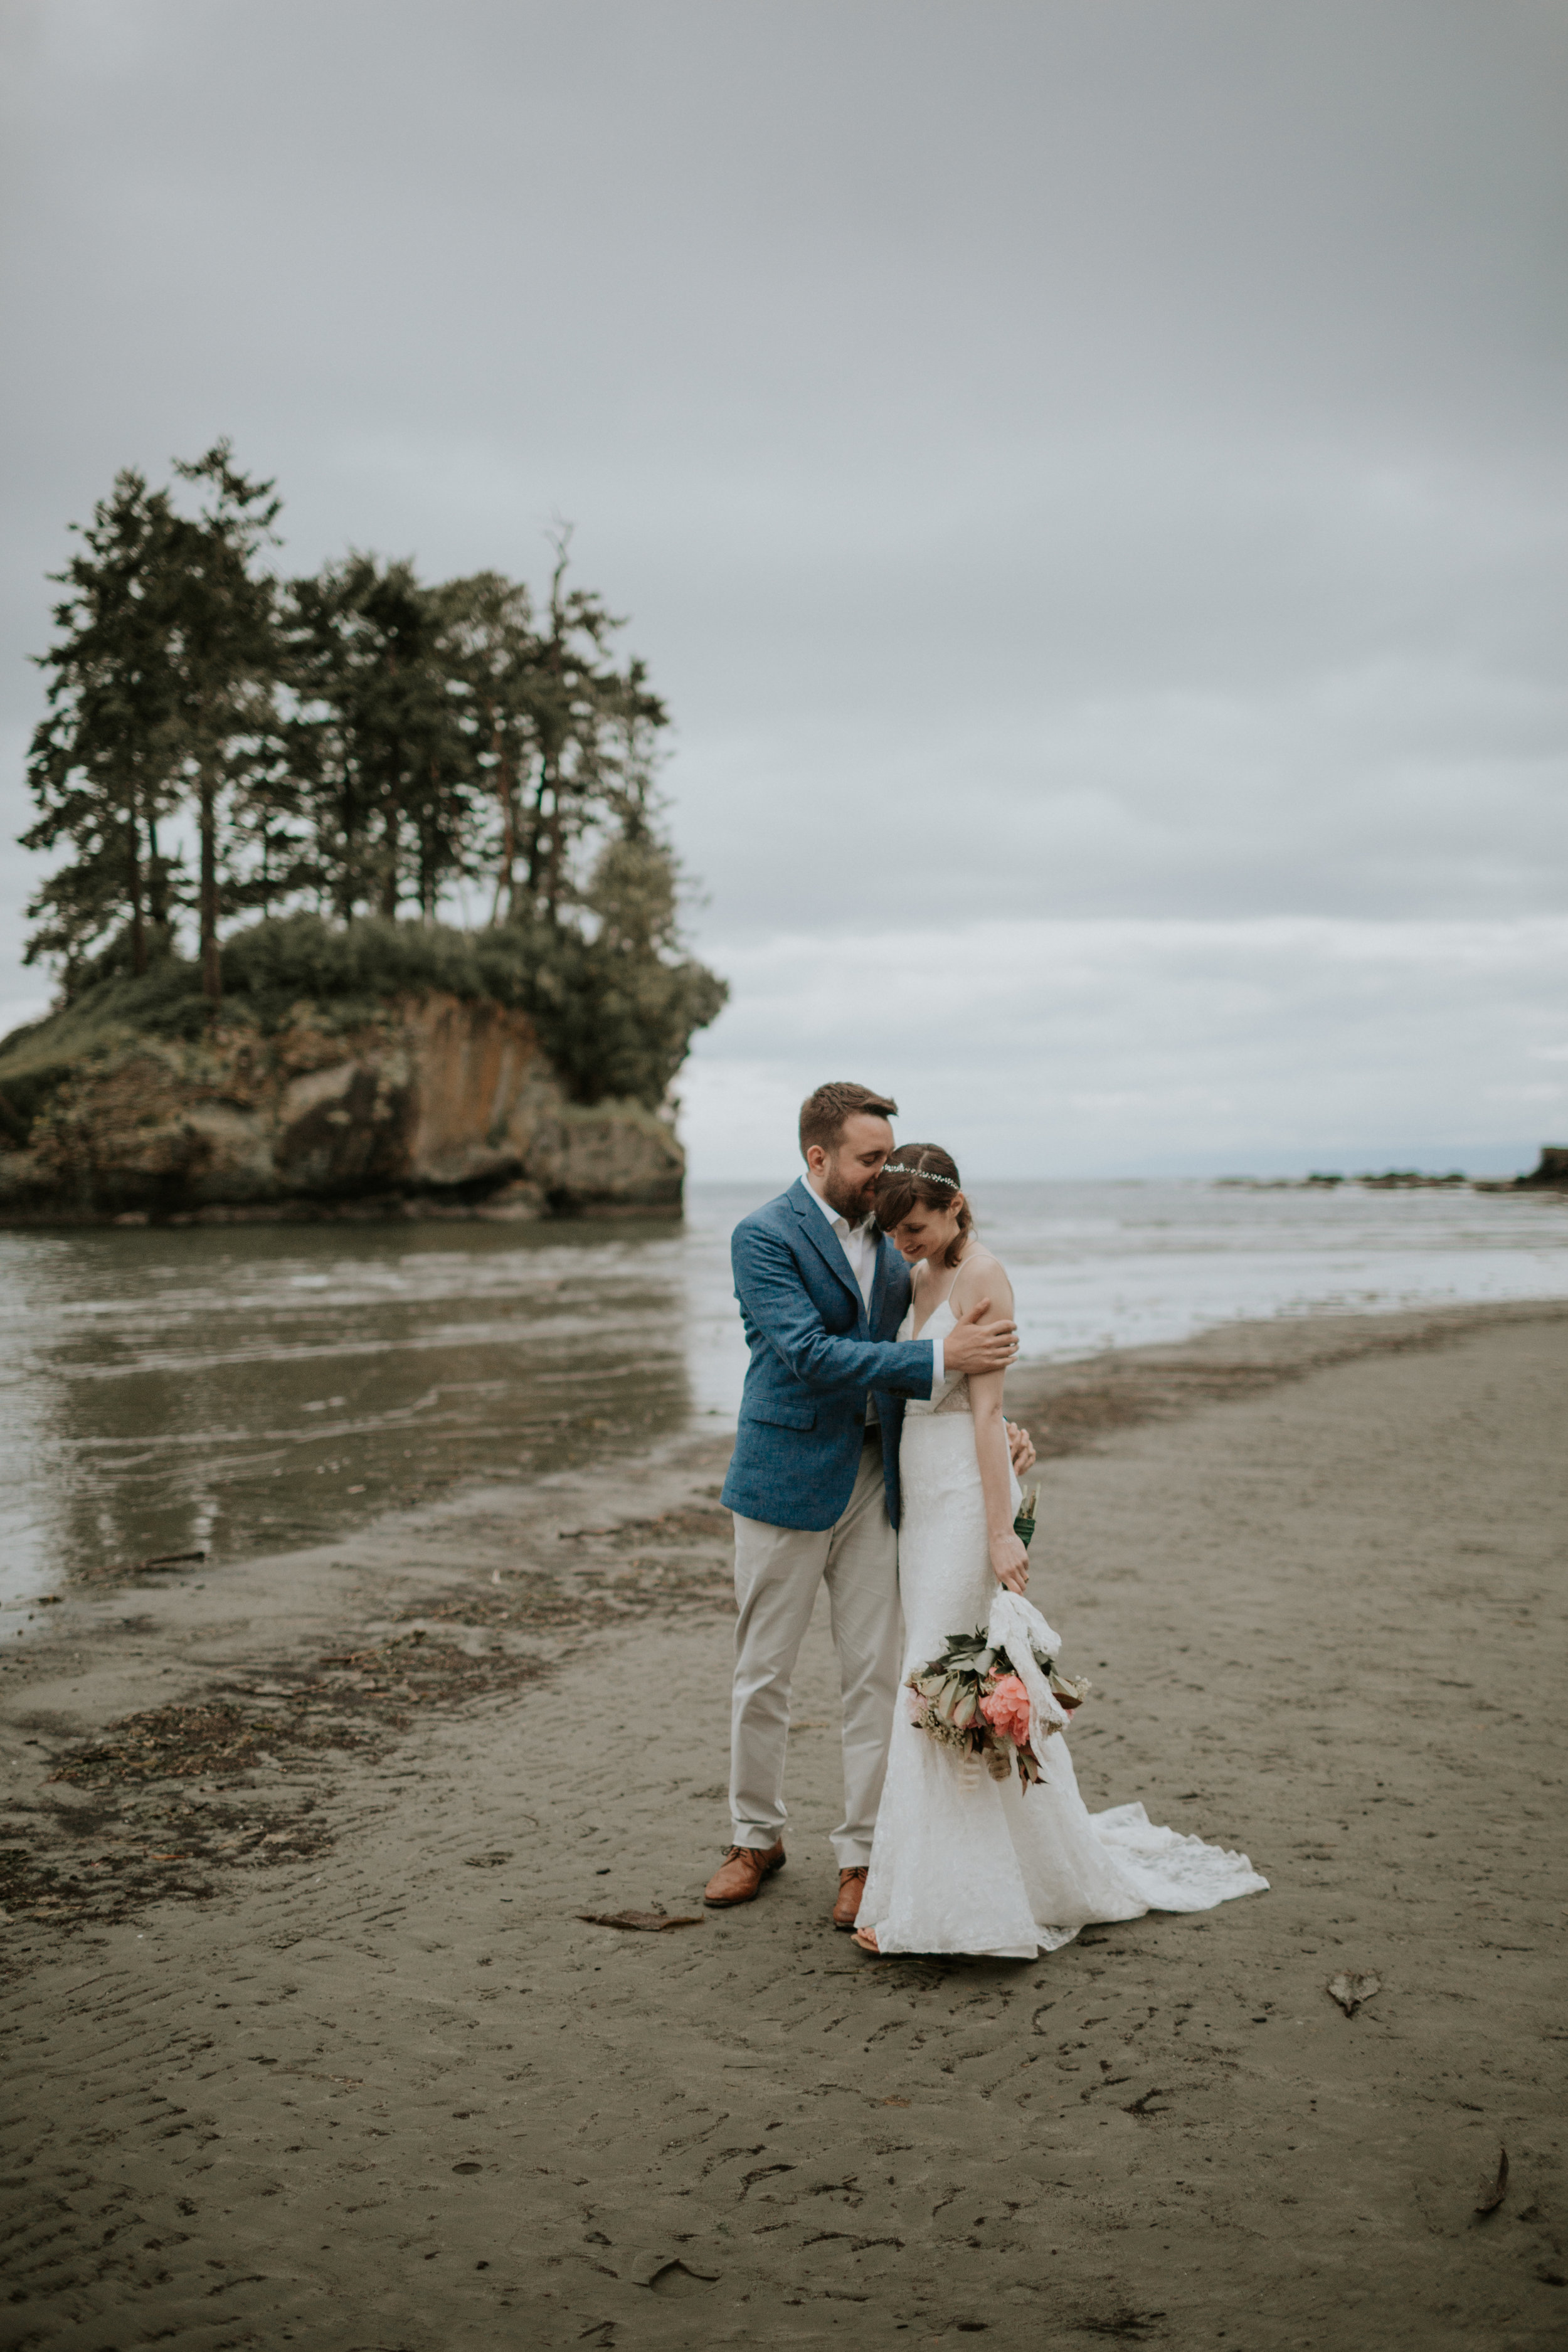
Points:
(777, 1572)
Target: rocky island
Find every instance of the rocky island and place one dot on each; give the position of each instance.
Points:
(417, 1105)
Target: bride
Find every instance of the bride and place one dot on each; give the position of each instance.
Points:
(960, 1861)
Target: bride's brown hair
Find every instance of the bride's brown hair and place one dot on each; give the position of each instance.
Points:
(925, 1174)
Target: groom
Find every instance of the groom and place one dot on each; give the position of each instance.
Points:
(814, 1483)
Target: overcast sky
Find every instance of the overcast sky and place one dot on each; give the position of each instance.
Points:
(1088, 477)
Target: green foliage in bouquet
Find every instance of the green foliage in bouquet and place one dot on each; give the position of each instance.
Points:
(972, 1699)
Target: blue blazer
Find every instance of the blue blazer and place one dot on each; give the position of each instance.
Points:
(816, 1354)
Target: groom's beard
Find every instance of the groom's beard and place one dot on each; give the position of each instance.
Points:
(852, 1202)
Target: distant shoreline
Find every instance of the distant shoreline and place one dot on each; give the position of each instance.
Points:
(1550, 1173)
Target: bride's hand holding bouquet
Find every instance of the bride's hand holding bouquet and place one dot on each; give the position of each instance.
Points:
(1010, 1545)
(1009, 1559)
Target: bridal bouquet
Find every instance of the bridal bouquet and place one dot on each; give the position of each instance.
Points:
(998, 1693)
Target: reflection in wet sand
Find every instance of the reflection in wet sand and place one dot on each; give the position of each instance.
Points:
(250, 1390)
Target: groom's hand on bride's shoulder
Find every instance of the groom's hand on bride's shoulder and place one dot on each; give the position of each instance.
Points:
(974, 1346)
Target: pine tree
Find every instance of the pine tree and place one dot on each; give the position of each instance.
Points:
(102, 763)
(378, 737)
(586, 717)
(494, 660)
(224, 652)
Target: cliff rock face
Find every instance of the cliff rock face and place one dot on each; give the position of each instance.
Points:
(433, 1104)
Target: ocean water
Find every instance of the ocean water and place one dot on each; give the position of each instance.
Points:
(247, 1389)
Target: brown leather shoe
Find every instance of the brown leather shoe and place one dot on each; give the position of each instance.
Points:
(851, 1886)
(739, 1879)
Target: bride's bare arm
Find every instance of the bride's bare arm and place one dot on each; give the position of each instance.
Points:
(1009, 1559)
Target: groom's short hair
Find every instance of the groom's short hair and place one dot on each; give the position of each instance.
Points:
(824, 1112)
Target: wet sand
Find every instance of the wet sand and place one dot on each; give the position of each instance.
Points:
(303, 2041)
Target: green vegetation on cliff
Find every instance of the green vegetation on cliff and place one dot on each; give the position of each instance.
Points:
(614, 1021)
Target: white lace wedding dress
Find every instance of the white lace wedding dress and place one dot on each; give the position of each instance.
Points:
(961, 1862)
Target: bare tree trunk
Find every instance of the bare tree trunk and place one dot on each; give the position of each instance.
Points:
(157, 881)
(392, 834)
(551, 861)
(429, 861)
(550, 766)
(389, 876)
(212, 979)
(138, 925)
(535, 835)
(344, 882)
(506, 873)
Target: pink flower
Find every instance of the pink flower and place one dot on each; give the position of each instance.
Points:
(1007, 1710)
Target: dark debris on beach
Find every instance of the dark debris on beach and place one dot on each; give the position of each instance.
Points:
(158, 1831)
(680, 1560)
(236, 1777)
(158, 1823)
(111, 1859)
(540, 1604)
(345, 1702)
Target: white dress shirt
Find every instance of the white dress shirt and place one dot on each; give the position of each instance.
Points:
(859, 1244)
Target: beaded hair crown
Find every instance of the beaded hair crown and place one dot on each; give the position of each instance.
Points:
(926, 1175)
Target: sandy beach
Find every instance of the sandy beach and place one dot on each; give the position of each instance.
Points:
(303, 2043)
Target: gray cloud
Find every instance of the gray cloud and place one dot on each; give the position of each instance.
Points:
(1101, 463)
(1073, 1048)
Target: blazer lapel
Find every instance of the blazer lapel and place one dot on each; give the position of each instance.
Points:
(880, 1285)
(825, 1241)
